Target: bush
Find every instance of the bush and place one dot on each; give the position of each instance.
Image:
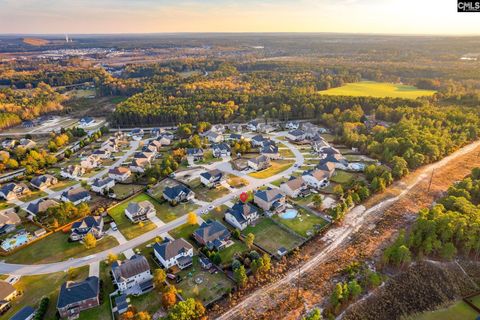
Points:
(42, 308)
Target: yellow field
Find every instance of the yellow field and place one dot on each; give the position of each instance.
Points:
(378, 90)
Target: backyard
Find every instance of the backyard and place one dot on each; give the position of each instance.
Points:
(55, 248)
(305, 223)
(271, 237)
(202, 285)
(228, 253)
(123, 191)
(276, 167)
(184, 231)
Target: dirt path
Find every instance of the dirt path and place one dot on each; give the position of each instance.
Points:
(361, 235)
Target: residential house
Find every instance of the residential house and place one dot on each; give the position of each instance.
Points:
(75, 195)
(292, 125)
(7, 291)
(336, 158)
(133, 276)
(235, 127)
(205, 262)
(241, 215)
(265, 128)
(213, 137)
(295, 187)
(8, 143)
(327, 166)
(90, 224)
(137, 134)
(212, 234)
(330, 151)
(102, 153)
(212, 178)
(140, 211)
(139, 165)
(110, 146)
(165, 140)
(221, 150)
(271, 200)
(119, 173)
(41, 206)
(26, 313)
(150, 149)
(271, 151)
(194, 154)
(121, 304)
(259, 141)
(296, 135)
(155, 132)
(174, 253)
(8, 220)
(177, 194)
(90, 162)
(12, 190)
(73, 172)
(219, 128)
(235, 137)
(318, 145)
(144, 156)
(102, 185)
(156, 144)
(44, 181)
(75, 297)
(86, 122)
(317, 178)
(253, 125)
(259, 163)
(27, 144)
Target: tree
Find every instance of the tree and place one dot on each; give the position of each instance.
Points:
(399, 167)
(192, 218)
(240, 276)
(267, 262)
(249, 240)
(169, 297)
(90, 241)
(337, 295)
(189, 309)
(354, 288)
(338, 190)
(159, 277)
(111, 258)
(317, 201)
(315, 314)
(143, 315)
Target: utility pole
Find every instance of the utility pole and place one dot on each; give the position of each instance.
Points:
(430, 183)
(298, 283)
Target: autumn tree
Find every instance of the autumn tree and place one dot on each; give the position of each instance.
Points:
(90, 241)
(159, 277)
(112, 257)
(169, 297)
(192, 218)
(189, 309)
(249, 239)
(240, 276)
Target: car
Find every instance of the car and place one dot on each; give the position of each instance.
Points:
(113, 226)
(210, 208)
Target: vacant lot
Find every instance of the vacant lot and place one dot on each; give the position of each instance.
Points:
(56, 248)
(184, 231)
(459, 310)
(123, 191)
(206, 194)
(236, 182)
(379, 90)
(271, 237)
(201, 284)
(276, 167)
(305, 223)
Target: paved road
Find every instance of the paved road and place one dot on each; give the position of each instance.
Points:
(339, 236)
(18, 269)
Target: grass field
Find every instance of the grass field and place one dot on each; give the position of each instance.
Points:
(271, 237)
(123, 191)
(379, 90)
(275, 168)
(55, 248)
(212, 286)
(184, 231)
(343, 177)
(459, 310)
(304, 223)
(33, 195)
(64, 184)
(228, 253)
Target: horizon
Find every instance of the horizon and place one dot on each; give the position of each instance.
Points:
(88, 17)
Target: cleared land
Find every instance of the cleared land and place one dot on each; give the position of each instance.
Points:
(271, 237)
(379, 90)
(55, 248)
(275, 168)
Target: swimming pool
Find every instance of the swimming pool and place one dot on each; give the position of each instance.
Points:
(15, 241)
(289, 214)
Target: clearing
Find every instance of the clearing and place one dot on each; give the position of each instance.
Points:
(275, 168)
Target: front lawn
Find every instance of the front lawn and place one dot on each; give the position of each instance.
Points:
(271, 237)
(228, 253)
(33, 195)
(284, 151)
(343, 177)
(305, 223)
(167, 213)
(55, 248)
(278, 182)
(200, 284)
(236, 182)
(127, 228)
(63, 184)
(184, 231)
(276, 167)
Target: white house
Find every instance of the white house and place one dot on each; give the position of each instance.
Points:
(296, 135)
(292, 125)
(241, 215)
(174, 253)
(212, 178)
(102, 153)
(86, 122)
(140, 211)
(259, 163)
(119, 173)
(90, 162)
(75, 195)
(132, 276)
(221, 150)
(72, 172)
(139, 165)
(214, 137)
(317, 179)
(101, 185)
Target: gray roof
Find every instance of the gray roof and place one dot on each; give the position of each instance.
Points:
(174, 192)
(269, 149)
(241, 211)
(24, 313)
(76, 194)
(129, 268)
(260, 159)
(194, 151)
(170, 249)
(221, 147)
(101, 182)
(41, 205)
(40, 180)
(74, 292)
(269, 195)
(296, 133)
(216, 174)
(212, 230)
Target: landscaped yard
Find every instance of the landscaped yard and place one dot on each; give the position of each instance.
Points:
(278, 182)
(167, 213)
(343, 177)
(305, 223)
(127, 228)
(459, 310)
(56, 248)
(33, 288)
(276, 167)
(284, 151)
(271, 237)
(379, 90)
(201, 284)
(149, 302)
(228, 253)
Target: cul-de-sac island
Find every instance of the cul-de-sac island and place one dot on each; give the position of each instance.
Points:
(239, 177)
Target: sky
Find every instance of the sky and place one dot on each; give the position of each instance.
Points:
(153, 16)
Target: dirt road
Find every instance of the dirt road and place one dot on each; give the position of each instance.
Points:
(338, 238)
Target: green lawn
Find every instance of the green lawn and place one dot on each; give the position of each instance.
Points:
(63, 184)
(303, 223)
(278, 182)
(343, 177)
(33, 195)
(125, 190)
(271, 236)
(206, 194)
(149, 302)
(55, 248)
(5, 205)
(101, 312)
(126, 227)
(228, 253)
(459, 310)
(378, 90)
(167, 213)
(38, 286)
(275, 168)
(286, 153)
(184, 231)
(211, 287)
(236, 182)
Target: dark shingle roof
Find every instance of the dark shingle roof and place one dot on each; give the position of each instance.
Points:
(129, 268)
(101, 182)
(211, 231)
(75, 194)
(241, 211)
(169, 249)
(269, 195)
(88, 222)
(173, 192)
(41, 205)
(217, 174)
(74, 292)
(23, 314)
